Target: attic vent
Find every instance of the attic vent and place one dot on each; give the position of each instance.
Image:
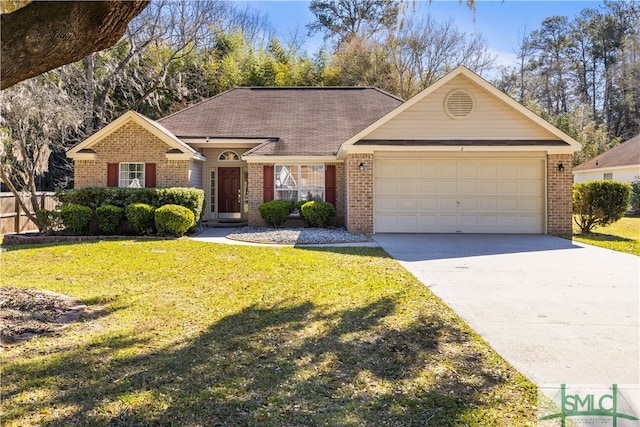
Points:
(458, 104)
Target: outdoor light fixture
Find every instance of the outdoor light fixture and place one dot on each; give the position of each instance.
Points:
(561, 167)
(361, 166)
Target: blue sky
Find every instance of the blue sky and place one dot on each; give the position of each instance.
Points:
(501, 23)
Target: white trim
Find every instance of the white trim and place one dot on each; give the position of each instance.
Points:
(292, 160)
(85, 156)
(605, 168)
(461, 70)
(368, 149)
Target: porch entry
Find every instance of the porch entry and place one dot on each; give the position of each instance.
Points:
(229, 193)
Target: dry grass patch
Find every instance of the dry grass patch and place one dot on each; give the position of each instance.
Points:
(190, 333)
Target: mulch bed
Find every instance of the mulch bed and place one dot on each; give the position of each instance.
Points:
(26, 313)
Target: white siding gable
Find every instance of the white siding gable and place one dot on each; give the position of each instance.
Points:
(490, 119)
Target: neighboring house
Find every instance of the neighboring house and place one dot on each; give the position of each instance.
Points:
(459, 157)
(620, 163)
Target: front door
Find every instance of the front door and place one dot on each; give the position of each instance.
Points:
(229, 193)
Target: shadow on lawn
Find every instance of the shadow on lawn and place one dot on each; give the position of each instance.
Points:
(276, 366)
(605, 237)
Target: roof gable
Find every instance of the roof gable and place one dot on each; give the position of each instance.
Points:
(493, 117)
(83, 150)
(625, 154)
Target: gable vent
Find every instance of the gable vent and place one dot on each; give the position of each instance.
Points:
(458, 104)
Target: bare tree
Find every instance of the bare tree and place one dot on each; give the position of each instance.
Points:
(37, 116)
(424, 50)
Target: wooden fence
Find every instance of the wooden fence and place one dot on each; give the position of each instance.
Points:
(12, 217)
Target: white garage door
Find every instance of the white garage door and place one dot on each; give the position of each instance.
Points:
(459, 196)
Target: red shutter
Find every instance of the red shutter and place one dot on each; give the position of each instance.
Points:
(268, 184)
(330, 184)
(149, 175)
(112, 174)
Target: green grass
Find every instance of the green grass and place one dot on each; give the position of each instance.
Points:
(623, 236)
(190, 333)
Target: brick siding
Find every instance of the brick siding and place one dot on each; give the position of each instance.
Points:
(559, 187)
(359, 202)
(131, 143)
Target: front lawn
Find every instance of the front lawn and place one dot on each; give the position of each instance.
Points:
(623, 236)
(180, 332)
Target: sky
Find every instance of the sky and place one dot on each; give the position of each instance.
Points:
(501, 23)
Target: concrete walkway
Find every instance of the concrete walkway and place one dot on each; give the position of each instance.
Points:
(558, 311)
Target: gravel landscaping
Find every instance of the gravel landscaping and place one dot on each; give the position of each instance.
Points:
(297, 236)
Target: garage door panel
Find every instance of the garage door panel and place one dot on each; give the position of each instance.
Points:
(467, 204)
(447, 204)
(447, 187)
(467, 187)
(428, 187)
(428, 204)
(447, 169)
(529, 188)
(488, 205)
(386, 204)
(466, 195)
(386, 187)
(405, 205)
(467, 170)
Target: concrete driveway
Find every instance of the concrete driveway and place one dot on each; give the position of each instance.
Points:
(559, 312)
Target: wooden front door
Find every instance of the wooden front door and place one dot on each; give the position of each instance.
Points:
(229, 192)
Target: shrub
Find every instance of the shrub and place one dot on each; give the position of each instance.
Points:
(141, 217)
(635, 196)
(93, 197)
(318, 214)
(173, 220)
(77, 219)
(49, 222)
(599, 203)
(109, 219)
(275, 212)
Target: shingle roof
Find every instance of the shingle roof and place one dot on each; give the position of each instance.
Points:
(625, 154)
(301, 120)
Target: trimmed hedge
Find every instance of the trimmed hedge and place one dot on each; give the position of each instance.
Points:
(109, 219)
(275, 212)
(141, 217)
(599, 203)
(94, 197)
(173, 220)
(318, 214)
(77, 219)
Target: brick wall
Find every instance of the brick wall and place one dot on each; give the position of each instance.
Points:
(254, 190)
(559, 205)
(340, 192)
(131, 143)
(359, 202)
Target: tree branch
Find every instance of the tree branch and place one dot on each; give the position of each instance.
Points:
(45, 35)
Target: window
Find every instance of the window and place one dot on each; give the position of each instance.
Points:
(229, 155)
(608, 176)
(131, 175)
(299, 182)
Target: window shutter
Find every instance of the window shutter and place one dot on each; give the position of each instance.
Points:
(330, 184)
(268, 184)
(149, 175)
(112, 174)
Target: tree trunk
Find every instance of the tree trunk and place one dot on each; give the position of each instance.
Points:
(45, 35)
